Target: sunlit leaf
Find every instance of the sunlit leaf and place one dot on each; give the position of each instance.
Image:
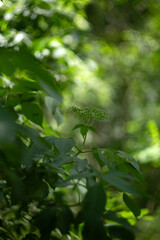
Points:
(22, 60)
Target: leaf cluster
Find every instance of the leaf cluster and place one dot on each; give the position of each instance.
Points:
(35, 168)
(50, 188)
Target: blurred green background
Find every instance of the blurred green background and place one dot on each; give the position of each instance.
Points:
(106, 54)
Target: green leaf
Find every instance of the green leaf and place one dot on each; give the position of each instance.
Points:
(121, 233)
(22, 60)
(50, 140)
(51, 103)
(131, 204)
(100, 158)
(83, 131)
(39, 145)
(17, 185)
(12, 100)
(64, 145)
(58, 116)
(46, 221)
(94, 231)
(94, 203)
(112, 216)
(33, 112)
(137, 174)
(61, 159)
(78, 126)
(81, 164)
(92, 129)
(24, 85)
(84, 174)
(130, 159)
(64, 219)
(93, 208)
(7, 126)
(81, 126)
(111, 157)
(115, 178)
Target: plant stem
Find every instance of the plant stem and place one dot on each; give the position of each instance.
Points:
(84, 140)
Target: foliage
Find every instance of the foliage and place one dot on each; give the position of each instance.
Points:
(35, 168)
(54, 55)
